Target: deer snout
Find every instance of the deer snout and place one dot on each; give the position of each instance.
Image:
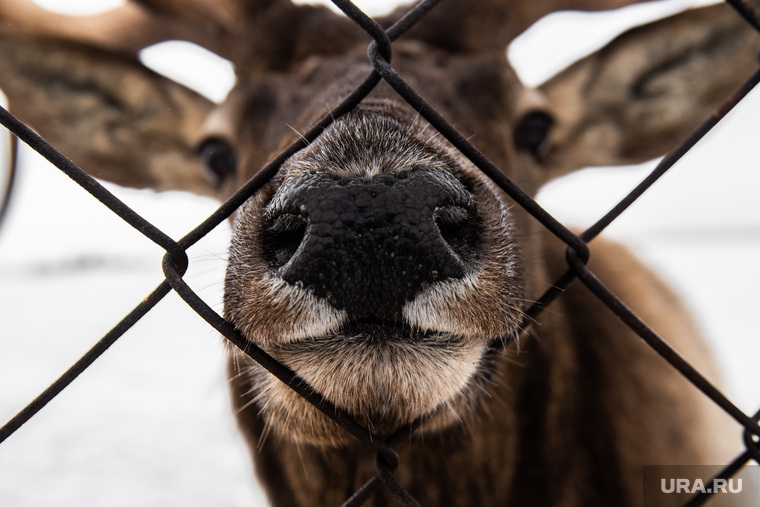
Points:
(368, 247)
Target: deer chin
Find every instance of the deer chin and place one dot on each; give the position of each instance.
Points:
(430, 367)
(384, 376)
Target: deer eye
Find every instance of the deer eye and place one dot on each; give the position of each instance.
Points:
(219, 160)
(532, 134)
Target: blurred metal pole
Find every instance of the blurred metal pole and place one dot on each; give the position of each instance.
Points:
(8, 179)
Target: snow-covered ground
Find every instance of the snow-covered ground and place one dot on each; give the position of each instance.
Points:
(149, 424)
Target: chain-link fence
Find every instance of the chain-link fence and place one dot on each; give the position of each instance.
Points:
(175, 261)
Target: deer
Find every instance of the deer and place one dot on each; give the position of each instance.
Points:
(379, 263)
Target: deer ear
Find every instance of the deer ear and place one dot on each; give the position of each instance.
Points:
(112, 116)
(642, 94)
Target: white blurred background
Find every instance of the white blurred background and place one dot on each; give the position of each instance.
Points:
(149, 424)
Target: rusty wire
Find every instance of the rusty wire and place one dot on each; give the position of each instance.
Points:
(175, 261)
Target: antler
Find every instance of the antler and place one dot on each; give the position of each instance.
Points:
(126, 29)
(218, 26)
(254, 34)
(492, 24)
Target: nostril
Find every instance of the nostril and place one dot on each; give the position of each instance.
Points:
(284, 235)
(369, 247)
(455, 226)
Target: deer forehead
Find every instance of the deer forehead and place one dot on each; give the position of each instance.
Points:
(267, 110)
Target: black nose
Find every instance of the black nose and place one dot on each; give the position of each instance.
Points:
(370, 246)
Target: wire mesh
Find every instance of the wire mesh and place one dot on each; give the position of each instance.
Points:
(380, 50)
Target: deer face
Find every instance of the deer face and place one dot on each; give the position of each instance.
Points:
(379, 263)
(375, 265)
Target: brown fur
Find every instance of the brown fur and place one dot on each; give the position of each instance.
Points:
(565, 415)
